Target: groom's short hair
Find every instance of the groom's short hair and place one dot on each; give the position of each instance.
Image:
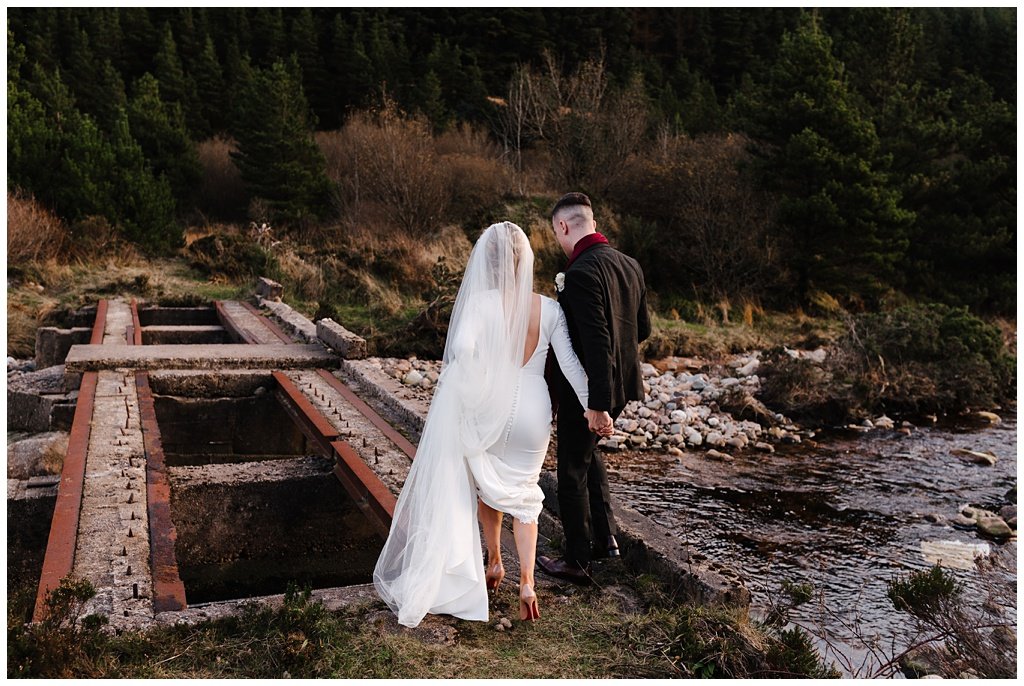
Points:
(574, 199)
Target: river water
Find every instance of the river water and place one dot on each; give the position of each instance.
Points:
(846, 515)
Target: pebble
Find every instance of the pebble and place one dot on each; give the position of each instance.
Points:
(715, 438)
(764, 447)
(413, 378)
(985, 459)
(990, 417)
(884, 422)
(716, 455)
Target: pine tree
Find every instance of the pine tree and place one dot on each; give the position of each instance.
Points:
(350, 67)
(210, 87)
(305, 45)
(160, 131)
(176, 86)
(144, 205)
(63, 158)
(279, 161)
(839, 209)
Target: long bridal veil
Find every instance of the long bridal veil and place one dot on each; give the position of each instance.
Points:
(432, 560)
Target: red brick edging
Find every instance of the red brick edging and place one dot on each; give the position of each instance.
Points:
(168, 589)
(60, 546)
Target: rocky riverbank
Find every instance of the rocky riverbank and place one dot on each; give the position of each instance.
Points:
(689, 404)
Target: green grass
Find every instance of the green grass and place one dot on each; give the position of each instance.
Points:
(583, 633)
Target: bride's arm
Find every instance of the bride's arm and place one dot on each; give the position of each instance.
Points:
(567, 359)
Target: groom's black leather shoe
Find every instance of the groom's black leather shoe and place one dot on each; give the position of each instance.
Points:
(609, 549)
(560, 569)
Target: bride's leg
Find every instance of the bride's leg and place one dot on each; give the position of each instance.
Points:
(490, 522)
(526, 546)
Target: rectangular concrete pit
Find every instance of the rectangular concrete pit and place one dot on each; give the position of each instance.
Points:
(197, 431)
(29, 511)
(187, 335)
(250, 529)
(178, 316)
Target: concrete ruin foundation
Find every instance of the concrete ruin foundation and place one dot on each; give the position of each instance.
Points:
(218, 454)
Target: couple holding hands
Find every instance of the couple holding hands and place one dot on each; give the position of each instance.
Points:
(489, 424)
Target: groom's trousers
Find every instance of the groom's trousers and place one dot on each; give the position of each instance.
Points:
(584, 503)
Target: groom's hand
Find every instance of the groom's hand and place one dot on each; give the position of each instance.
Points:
(600, 422)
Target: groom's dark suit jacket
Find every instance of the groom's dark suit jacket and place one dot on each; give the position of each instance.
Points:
(605, 305)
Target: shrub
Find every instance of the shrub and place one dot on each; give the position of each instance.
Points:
(697, 222)
(221, 192)
(894, 356)
(915, 358)
(62, 643)
(478, 178)
(231, 255)
(387, 171)
(33, 231)
(921, 593)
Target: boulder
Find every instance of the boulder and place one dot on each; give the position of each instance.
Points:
(739, 441)
(37, 455)
(749, 368)
(994, 526)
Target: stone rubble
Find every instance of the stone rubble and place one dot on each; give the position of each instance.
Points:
(680, 409)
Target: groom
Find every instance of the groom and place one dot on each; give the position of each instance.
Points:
(604, 300)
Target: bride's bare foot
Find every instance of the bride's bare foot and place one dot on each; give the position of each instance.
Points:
(494, 574)
(528, 609)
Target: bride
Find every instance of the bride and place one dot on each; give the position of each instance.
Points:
(485, 438)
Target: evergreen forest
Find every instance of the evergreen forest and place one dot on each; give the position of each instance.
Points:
(865, 157)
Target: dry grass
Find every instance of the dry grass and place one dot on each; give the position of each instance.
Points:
(34, 233)
(68, 287)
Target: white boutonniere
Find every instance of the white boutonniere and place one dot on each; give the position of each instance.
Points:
(560, 281)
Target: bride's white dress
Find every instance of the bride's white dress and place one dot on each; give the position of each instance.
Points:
(433, 561)
(506, 475)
